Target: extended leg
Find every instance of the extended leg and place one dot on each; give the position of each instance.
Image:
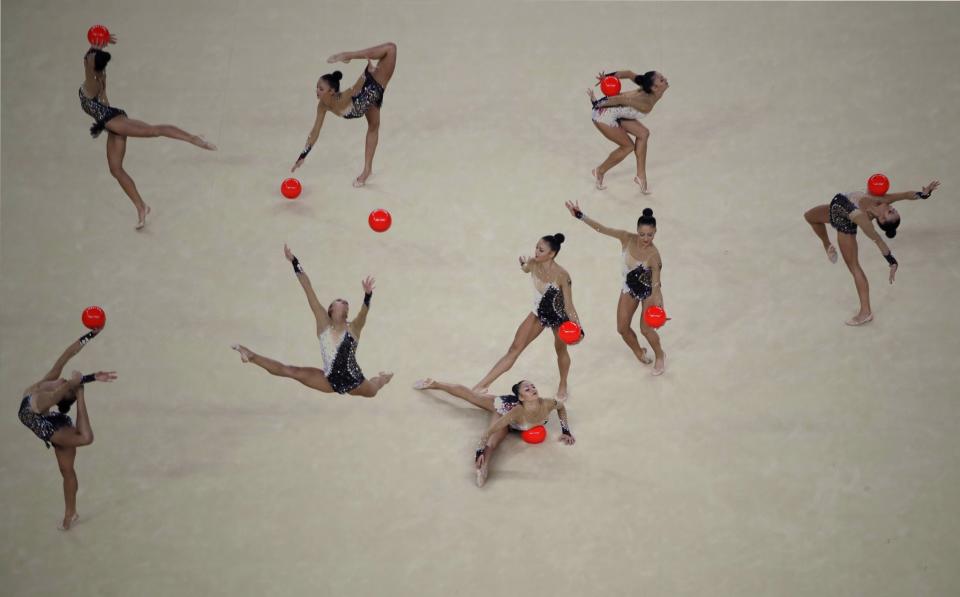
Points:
(642, 134)
(384, 54)
(65, 459)
(563, 364)
(526, 333)
(128, 127)
(625, 147)
(309, 376)
(373, 137)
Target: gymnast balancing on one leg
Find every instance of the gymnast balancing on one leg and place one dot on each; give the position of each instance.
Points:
(57, 428)
(93, 101)
(553, 306)
(848, 211)
(618, 115)
(641, 281)
(363, 99)
(338, 346)
(505, 415)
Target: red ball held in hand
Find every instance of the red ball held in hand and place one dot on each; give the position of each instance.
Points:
(380, 220)
(94, 318)
(610, 86)
(98, 35)
(290, 188)
(655, 316)
(569, 332)
(534, 435)
(878, 185)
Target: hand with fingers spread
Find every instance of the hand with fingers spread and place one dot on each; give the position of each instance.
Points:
(574, 208)
(288, 253)
(105, 376)
(368, 285)
(929, 189)
(893, 272)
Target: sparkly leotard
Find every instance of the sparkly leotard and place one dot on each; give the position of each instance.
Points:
(99, 111)
(548, 305)
(637, 280)
(840, 208)
(613, 115)
(504, 404)
(340, 361)
(370, 95)
(42, 425)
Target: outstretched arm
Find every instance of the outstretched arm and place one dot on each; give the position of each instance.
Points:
(319, 314)
(312, 137)
(911, 195)
(575, 211)
(361, 319)
(68, 354)
(511, 417)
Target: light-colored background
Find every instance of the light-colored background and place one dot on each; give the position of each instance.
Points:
(782, 453)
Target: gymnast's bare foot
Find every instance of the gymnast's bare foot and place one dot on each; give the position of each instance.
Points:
(362, 179)
(245, 353)
(142, 216)
(202, 143)
(339, 57)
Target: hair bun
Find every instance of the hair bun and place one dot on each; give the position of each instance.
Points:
(891, 233)
(337, 75)
(647, 212)
(559, 237)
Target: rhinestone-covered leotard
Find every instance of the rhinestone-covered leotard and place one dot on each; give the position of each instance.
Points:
(548, 306)
(638, 280)
(370, 95)
(99, 111)
(840, 207)
(42, 425)
(340, 361)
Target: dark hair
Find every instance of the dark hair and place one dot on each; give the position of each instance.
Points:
(66, 402)
(554, 240)
(647, 218)
(889, 227)
(516, 389)
(100, 59)
(333, 79)
(645, 80)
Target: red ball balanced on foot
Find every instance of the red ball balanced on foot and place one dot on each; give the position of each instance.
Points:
(94, 318)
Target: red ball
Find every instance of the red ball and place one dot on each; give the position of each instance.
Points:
(94, 318)
(380, 220)
(655, 316)
(610, 86)
(534, 435)
(878, 185)
(290, 188)
(569, 332)
(98, 35)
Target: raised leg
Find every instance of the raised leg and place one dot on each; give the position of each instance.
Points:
(309, 376)
(129, 127)
(370, 387)
(373, 137)
(626, 308)
(818, 218)
(483, 401)
(384, 54)
(526, 333)
(116, 150)
(849, 250)
(82, 434)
